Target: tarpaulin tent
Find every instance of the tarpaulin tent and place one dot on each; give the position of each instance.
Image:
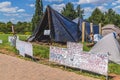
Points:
(109, 29)
(110, 45)
(61, 28)
(87, 26)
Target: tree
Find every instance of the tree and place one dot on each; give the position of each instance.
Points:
(22, 27)
(96, 17)
(3, 28)
(110, 17)
(79, 12)
(68, 11)
(38, 13)
(117, 20)
(9, 27)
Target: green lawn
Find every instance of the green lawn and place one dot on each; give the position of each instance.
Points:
(42, 51)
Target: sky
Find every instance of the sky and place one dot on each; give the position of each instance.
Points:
(23, 10)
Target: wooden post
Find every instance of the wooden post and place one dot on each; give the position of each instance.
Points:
(100, 28)
(83, 32)
(91, 27)
(49, 24)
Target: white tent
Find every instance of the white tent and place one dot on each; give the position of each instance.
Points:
(108, 44)
(109, 29)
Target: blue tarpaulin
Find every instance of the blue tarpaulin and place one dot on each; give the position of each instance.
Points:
(61, 28)
(87, 26)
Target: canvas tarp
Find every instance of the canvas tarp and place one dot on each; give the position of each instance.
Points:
(79, 21)
(61, 28)
(109, 29)
(110, 45)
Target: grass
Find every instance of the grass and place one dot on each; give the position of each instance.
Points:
(42, 52)
(23, 37)
(4, 37)
(85, 48)
(114, 68)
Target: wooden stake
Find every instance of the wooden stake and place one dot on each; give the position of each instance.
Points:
(100, 28)
(91, 27)
(13, 31)
(49, 24)
(83, 32)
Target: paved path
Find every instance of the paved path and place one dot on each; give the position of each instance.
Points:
(12, 68)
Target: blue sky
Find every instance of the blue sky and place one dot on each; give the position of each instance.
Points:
(23, 10)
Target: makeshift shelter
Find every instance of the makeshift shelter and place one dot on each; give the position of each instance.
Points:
(110, 45)
(109, 29)
(79, 21)
(61, 28)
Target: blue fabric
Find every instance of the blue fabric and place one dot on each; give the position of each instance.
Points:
(96, 29)
(114, 33)
(87, 26)
(65, 29)
(61, 29)
(97, 37)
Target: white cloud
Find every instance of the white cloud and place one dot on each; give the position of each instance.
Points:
(113, 4)
(32, 5)
(105, 4)
(12, 19)
(5, 4)
(88, 9)
(17, 17)
(93, 1)
(54, 0)
(102, 8)
(8, 10)
(117, 9)
(6, 7)
(58, 7)
(13, 15)
(20, 10)
(118, 1)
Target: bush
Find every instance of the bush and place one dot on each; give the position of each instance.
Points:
(2, 33)
(27, 33)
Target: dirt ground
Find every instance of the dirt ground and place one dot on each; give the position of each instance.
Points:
(12, 68)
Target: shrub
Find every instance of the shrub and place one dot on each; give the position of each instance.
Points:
(27, 33)
(2, 33)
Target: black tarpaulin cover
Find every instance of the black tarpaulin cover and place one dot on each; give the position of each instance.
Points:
(61, 28)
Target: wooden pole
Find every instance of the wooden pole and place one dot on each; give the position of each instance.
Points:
(49, 19)
(49, 24)
(91, 27)
(13, 31)
(100, 28)
(83, 32)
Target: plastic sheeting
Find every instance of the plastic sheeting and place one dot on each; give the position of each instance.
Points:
(87, 26)
(61, 28)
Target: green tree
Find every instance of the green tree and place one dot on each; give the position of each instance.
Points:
(96, 17)
(3, 27)
(38, 13)
(22, 27)
(79, 12)
(9, 27)
(68, 11)
(117, 20)
(110, 17)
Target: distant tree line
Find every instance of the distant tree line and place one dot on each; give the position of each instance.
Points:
(108, 17)
(20, 27)
(97, 16)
